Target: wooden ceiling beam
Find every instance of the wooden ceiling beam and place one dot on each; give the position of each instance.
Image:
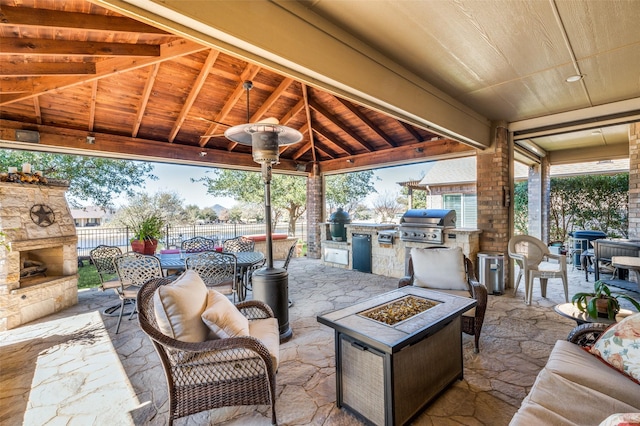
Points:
(407, 154)
(71, 141)
(36, 108)
(194, 92)
(411, 131)
(27, 16)
(373, 126)
(32, 69)
(292, 112)
(334, 141)
(144, 99)
(39, 46)
(273, 97)
(92, 105)
(106, 68)
(331, 117)
(248, 74)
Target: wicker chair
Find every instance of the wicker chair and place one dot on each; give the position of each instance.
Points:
(217, 270)
(198, 244)
(134, 269)
(241, 243)
(472, 320)
(215, 373)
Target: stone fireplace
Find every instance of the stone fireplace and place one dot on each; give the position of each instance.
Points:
(39, 258)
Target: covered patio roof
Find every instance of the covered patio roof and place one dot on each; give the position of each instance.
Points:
(162, 80)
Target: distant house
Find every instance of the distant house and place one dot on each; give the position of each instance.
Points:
(451, 184)
(91, 216)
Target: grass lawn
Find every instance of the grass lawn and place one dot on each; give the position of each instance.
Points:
(88, 276)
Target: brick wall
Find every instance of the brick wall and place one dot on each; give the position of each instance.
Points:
(493, 184)
(539, 197)
(315, 210)
(634, 181)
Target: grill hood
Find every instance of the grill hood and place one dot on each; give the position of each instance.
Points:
(436, 218)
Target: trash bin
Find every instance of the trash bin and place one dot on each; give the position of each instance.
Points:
(491, 271)
(580, 243)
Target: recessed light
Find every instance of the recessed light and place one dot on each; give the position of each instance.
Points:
(574, 78)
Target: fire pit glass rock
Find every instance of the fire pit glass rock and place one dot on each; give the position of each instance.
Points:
(399, 310)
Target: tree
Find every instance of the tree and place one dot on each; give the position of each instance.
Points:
(347, 190)
(166, 205)
(95, 180)
(386, 207)
(288, 193)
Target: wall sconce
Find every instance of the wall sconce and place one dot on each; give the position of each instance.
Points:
(91, 140)
(202, 153)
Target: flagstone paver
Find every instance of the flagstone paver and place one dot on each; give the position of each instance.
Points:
(71, 368)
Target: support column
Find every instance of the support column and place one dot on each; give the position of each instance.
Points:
(495, 189)
(539, 192)
(634, 180)
(315, 209)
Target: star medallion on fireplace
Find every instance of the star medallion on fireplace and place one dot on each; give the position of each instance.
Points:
(42, 215)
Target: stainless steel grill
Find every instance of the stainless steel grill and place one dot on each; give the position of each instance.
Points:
(426, 225)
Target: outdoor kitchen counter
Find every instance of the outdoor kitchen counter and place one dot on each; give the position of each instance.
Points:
(390, 259)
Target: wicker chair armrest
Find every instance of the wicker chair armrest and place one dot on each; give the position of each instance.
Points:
(479, 292)
(250, 344)
(405, 281)
(255, 309)
(586, 334)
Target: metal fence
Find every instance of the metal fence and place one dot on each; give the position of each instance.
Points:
(92, 237)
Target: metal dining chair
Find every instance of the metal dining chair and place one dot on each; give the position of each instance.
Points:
(217, 270)
(198, 244)
(134, 269)
(102, 258)
(237, 244)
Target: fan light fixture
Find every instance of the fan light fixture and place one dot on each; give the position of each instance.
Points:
(270, 285)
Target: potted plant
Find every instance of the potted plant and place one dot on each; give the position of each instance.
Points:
(602, 302)
(147, 232)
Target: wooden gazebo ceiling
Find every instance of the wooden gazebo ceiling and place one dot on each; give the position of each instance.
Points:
(73, 69)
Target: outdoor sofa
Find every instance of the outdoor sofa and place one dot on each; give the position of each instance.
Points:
(596, 385)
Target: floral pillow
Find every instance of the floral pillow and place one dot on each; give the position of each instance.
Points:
(619, 346)
(622, 419)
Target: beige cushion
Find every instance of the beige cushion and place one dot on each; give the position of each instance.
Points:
(590, 391)
(266, 330)
(549, 267)
(223, 318)
(178, 308)
(439, 268)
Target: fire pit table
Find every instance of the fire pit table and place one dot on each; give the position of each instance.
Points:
(396, 352)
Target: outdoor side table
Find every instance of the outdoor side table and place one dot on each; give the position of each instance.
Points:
(571, 311)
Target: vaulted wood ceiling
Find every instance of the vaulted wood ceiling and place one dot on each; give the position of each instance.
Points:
(91, 81)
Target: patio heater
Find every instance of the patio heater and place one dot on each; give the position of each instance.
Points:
(270, 285)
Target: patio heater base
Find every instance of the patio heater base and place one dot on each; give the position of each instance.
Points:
(271, 286)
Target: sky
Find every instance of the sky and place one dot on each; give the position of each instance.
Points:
(177, 178)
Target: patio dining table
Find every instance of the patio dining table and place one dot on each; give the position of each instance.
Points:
(245, 261)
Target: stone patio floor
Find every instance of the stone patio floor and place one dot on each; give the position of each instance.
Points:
(71, 368)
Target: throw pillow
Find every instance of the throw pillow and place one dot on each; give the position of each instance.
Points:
(621, 419)
(178, 308)
(619, 346)
(439, 268)
(223, 318)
